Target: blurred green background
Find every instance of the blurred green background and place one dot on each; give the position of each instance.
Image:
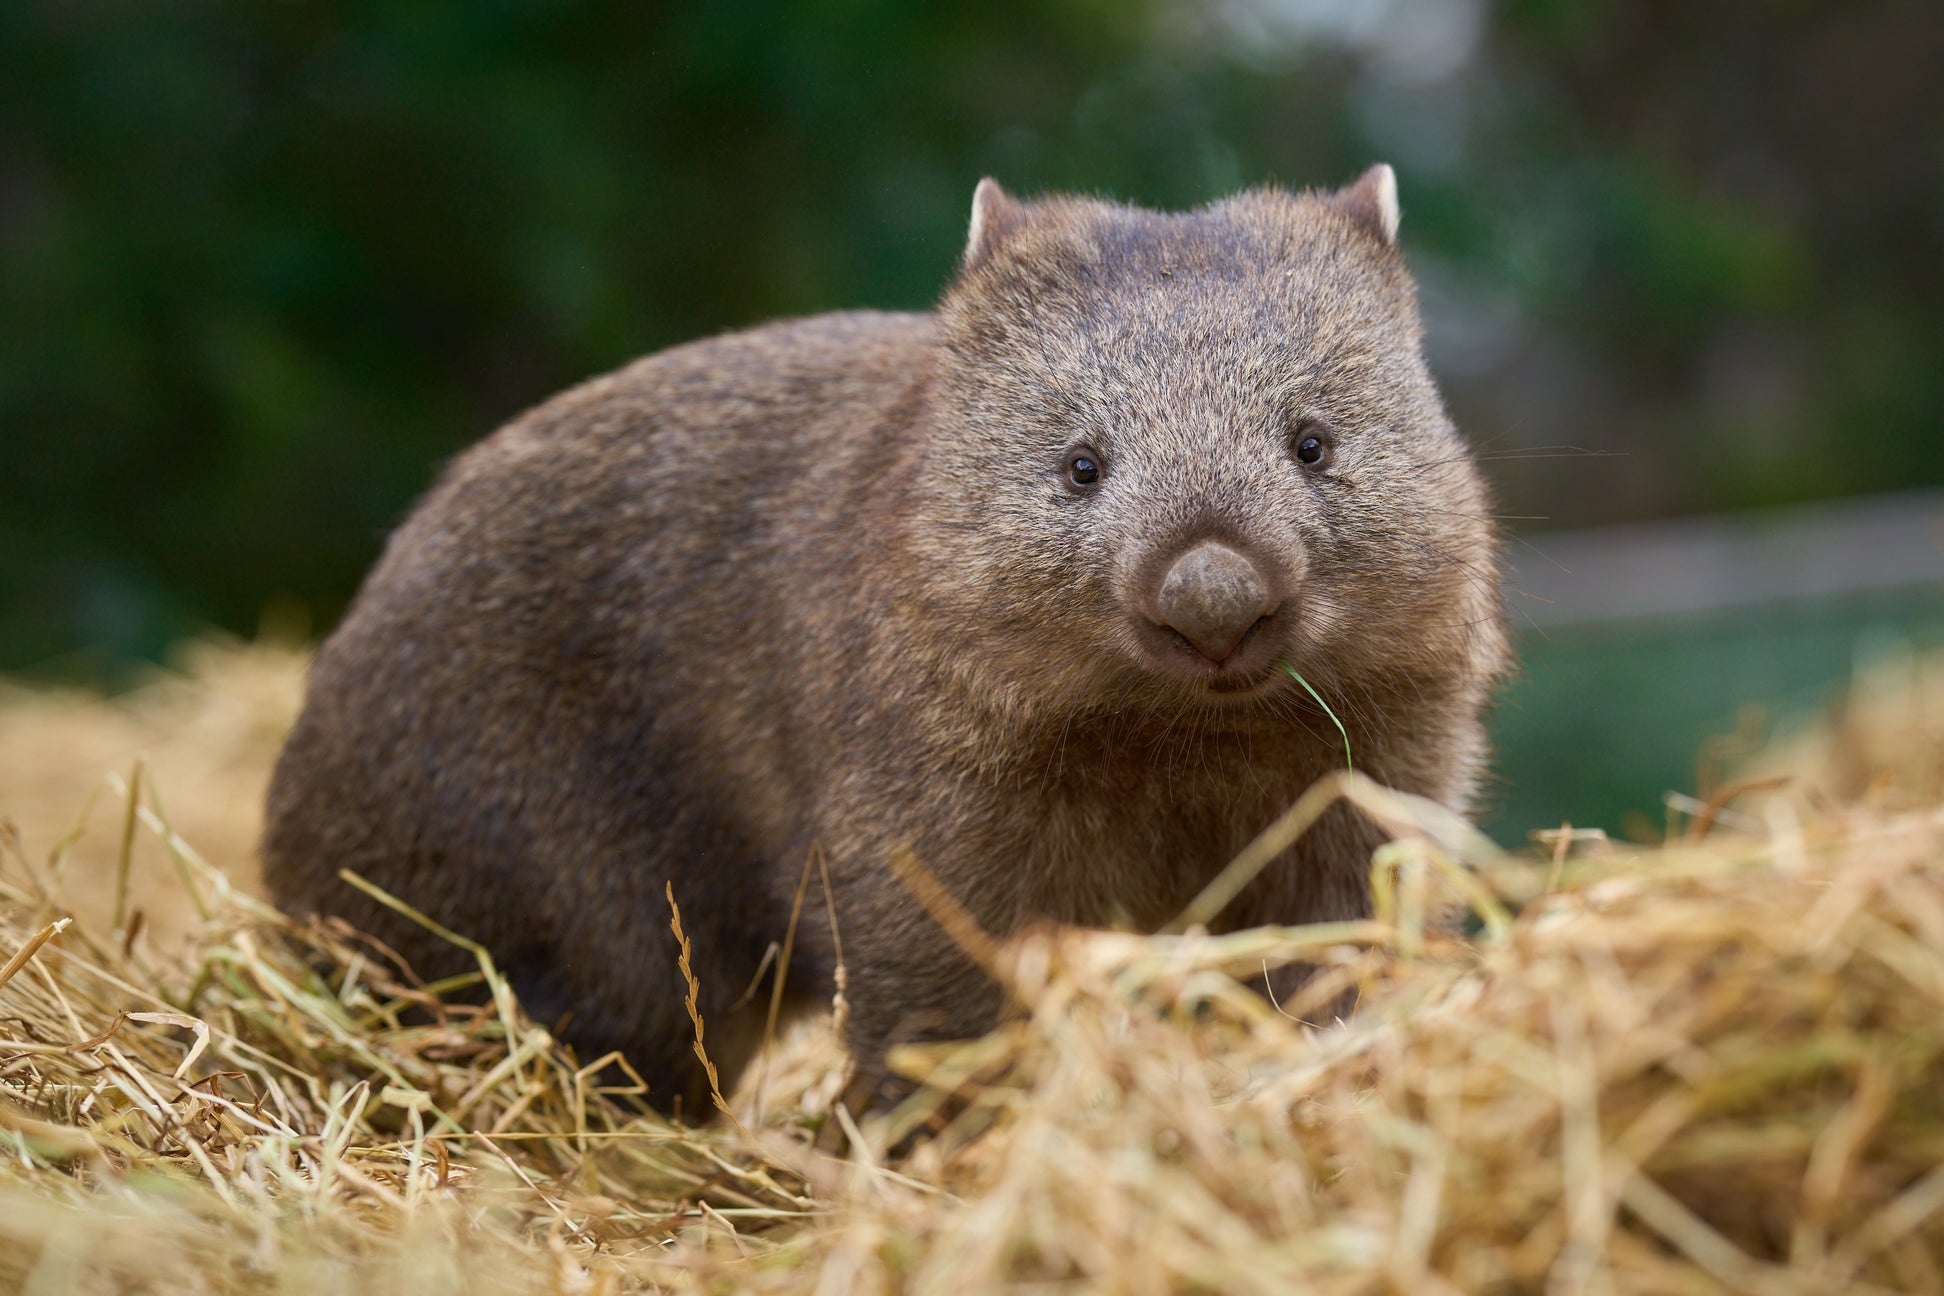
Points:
(263, 265)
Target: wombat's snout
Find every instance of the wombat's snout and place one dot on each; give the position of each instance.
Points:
(1212, 596)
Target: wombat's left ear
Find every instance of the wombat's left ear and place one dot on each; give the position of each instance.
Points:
(1372, 202)
(995, 214)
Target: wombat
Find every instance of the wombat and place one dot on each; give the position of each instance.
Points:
(1015, 586)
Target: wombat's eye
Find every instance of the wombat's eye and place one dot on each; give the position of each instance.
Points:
(1313, 447)
(1083, 469)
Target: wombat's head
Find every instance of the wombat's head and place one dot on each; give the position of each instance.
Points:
(1173, 451)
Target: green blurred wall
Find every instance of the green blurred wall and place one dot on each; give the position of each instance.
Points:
(1600, 722)
(1657, 657)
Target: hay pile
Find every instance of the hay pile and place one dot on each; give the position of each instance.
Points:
(205, 735)
(1718, 1065)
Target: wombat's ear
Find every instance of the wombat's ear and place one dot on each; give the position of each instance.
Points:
(995, 214)
(1372, 202)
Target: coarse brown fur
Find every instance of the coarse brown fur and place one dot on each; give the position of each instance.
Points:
(826, 585)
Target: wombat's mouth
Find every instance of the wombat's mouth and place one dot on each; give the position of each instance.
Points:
(1246, 669)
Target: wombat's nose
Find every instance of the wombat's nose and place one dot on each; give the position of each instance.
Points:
(1211, 597)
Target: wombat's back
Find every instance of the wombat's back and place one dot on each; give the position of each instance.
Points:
(579, 638)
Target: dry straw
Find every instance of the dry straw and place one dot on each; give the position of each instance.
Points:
(1713, 1066)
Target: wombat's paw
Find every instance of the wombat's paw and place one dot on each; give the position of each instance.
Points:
(875, 1095)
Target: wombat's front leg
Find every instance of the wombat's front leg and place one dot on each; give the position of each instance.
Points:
(1323, 878)
(915, 988)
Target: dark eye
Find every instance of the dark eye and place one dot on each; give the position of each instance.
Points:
(1083, 469)
(1313, 447)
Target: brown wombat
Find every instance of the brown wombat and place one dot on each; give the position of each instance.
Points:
(1008, 585)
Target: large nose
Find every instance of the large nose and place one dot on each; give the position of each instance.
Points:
(1211, 596)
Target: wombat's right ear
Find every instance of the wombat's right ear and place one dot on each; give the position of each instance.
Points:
(995, 214)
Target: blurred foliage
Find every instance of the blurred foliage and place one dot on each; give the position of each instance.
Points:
(263, 263)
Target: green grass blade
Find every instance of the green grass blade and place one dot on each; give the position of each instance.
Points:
(1348, 763)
